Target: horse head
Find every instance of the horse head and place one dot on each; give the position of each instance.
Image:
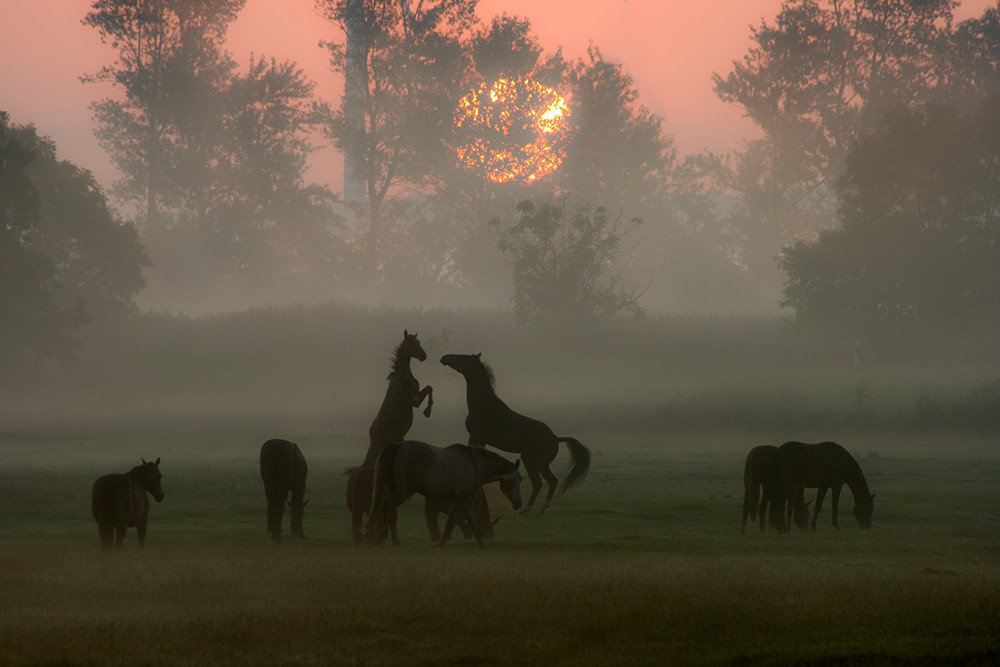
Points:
(149, 474)
(471, 366)
(411, 348)
(864, 507)
(510, 485)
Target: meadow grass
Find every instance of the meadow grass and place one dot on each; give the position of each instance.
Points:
(641, 564)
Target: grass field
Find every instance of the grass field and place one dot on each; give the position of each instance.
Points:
(641, 564)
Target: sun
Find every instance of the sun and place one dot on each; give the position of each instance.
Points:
(512, 130)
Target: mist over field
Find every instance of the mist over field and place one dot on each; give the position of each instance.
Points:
(834, 276)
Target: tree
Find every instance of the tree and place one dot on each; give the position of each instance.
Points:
(919, 242)
(403, 65)
(64, 255)
(169, 66)
(816, 81)
(564, 268)
(213, 158)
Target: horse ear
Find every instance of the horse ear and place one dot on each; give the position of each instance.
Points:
(157, 461)
(479, 355)
(406, 333)
(143, 460)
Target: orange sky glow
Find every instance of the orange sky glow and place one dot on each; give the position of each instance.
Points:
(669, 48)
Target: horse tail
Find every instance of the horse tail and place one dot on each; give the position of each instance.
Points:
(751, 492)
(382, 491)
(580, 463)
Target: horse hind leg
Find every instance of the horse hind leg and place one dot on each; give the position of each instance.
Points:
(107, 534)
(119, 534)
(536, 487)
(553, 482)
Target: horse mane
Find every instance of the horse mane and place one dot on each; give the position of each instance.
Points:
(394, 361)
(487, 372)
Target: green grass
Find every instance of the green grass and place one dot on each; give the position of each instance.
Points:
(641, 564)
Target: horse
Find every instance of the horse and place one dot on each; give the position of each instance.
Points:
(283, 470)
(360, 482)
(452, 474)
(119, 501)
(822, 466)
(756, 471)
(433, 508)
(391, 424)
(491, 422)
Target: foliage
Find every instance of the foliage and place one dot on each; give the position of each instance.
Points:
(920, 237)
(563, 268)
(65, 255)
(403, 65)
(819, 79)
(213, 158)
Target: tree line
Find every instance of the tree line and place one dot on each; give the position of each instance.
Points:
(870, 199)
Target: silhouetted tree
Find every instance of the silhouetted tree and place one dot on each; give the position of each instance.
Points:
(919, 242)
(403, 75)
(564, 268)
(819, 78)
(64, 255)
(170, 65)
(213, 158)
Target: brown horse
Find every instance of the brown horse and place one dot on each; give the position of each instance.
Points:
(283, 470)
(434, 508)
(452, 474)
(756, 470)
(360, 483)
(119, 501)
(823, 466)
(391, 424)
(491, 422)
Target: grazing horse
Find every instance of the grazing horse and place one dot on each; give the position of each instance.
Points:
(452, 474)
(824, 466)
(119, 501)
(283, 470)
(756, 471)
(433, 509)
(391, 424)
(491, 422)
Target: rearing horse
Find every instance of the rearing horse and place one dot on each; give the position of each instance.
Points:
(491, 422)
(393, 421)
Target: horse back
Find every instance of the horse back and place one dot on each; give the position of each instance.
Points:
(282, 467)
(116, 499)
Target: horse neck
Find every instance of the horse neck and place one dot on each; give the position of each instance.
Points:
(491, 467)
(137, 477)
(401, 368)
(855, 480)
(479, 391)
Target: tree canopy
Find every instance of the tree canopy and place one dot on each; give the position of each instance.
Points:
(919, 241)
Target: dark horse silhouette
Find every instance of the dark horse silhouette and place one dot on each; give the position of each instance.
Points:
(433, 508)
(491, 422)
(823, 466)
(391, 424)
(119, 501)
(283, 470)
(452, 474)
(756, 471)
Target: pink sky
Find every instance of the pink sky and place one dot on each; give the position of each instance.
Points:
(670, 48)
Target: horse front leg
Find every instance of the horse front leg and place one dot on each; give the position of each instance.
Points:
(536, 487)
(552, 481)
(427, 392)
(836, 506)
(820, 494)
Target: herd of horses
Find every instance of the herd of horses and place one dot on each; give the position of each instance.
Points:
(451, 478)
